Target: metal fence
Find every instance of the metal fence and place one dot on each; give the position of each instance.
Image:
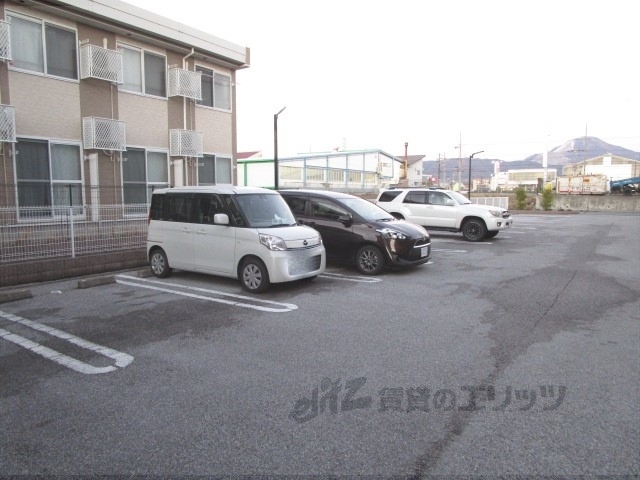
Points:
(502, 202)
(70, 232)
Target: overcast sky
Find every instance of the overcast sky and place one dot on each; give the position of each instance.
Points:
(504, 76)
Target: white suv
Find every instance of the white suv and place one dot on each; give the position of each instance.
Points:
(445, 210)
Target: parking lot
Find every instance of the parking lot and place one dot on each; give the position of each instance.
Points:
(514, 356)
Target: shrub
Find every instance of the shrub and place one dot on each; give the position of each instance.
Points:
(521, 198)
(547, 198)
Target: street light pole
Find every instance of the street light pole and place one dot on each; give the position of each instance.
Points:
(275, 148)
(475, 153)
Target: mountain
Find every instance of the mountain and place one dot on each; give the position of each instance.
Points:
(573, 151)
(580, 149)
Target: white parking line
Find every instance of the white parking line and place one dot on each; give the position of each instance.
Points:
(122, 359)
(146, 283)
(350, 278)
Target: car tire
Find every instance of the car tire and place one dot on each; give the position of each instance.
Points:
(159, 263)
(369, 260)
(474, 230)
(492, 233)
(254, 275)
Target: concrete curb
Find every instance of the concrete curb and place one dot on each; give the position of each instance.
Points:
(13, 295)
(97, 281)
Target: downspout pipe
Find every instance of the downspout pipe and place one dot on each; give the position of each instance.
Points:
(184, 66)
(184, 107)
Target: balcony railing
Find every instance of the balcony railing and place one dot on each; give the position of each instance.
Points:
(185, 143)
(104, 134)
(185, 83)
(5, 41)
(7, 124)
(101, 63)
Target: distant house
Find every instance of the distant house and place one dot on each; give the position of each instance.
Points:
(248, 155)
(413, 175)
(356, 171)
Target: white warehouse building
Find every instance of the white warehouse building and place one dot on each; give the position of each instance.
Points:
(359, 171)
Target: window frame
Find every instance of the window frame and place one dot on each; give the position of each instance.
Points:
(217, 165)
(43, 44)
(149, 186)
(208, 79)
(141, 51)
(53, 210)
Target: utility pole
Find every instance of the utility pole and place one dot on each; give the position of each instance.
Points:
(459, 147)
(444, 170)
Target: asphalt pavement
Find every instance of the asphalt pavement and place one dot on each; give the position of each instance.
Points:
(515, 356)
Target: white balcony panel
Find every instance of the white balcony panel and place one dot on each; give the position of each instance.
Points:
(5, 41)
(103, 134)
(101, 63)
(185, 143)
(185, 83)
(7, 124)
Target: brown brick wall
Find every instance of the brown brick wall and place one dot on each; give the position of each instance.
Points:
(59, 268)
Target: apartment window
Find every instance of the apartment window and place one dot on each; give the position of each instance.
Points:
(144, 72)
(41, 47)
(216, 89)
(215, 170)
(49, 178)
(142, 171)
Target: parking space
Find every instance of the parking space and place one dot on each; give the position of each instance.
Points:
(136, 289)
(190, 375)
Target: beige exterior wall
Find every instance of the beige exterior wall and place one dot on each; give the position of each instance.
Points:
(45, 107)
(146, 118)
(216, 130)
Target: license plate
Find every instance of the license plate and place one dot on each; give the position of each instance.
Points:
(424, 251)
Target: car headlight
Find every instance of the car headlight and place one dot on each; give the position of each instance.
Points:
(391, 233)
(272, 242)
(495, 213)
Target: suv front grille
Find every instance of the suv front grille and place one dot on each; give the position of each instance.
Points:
(505, 214)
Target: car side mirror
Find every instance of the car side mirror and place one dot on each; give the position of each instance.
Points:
(449, 202)
(346, 219)
(221, 219)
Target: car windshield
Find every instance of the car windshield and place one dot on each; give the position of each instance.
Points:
(365, 209)
(461, 199)
(265, 210)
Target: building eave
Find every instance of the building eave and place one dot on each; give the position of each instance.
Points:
(134, 22)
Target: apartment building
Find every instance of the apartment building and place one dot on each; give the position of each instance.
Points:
(102, 101)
